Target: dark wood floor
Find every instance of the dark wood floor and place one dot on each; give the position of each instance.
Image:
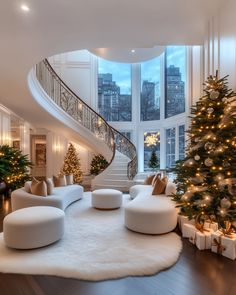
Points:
(195, 273)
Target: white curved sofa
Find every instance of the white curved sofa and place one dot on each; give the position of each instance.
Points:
(62, 197)
(151, 214)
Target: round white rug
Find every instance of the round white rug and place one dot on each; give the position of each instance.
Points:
(96, 246)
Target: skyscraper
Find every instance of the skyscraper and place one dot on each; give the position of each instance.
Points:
(175, 92)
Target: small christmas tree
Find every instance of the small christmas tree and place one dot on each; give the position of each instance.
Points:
(14, 167)
(206, 178)
(153, 162)
(98, 164)
(72, 164)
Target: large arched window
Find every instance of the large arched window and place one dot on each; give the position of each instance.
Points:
(155, 107)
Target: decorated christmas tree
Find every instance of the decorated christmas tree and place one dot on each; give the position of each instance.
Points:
(14, 167)
(98, 164)
(206, 178)
(72, 164)
(153, 162)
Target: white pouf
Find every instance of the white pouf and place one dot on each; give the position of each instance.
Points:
(151, 214)
(106, 199)
(33, 227)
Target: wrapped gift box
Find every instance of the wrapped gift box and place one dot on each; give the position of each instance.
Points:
(189, 231)
(203, 239)
(211, 225)
(224, 245)
(184, 220)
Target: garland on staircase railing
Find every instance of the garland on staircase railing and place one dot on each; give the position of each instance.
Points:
(67, 100)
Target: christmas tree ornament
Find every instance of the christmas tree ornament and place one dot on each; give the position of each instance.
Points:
(210, 110)
(197, 179)
(197, 157)
(226, 164)
(225, 203)
(214, 94)
(189, 163)
(208, 162)
(209, 146)
(232, 189)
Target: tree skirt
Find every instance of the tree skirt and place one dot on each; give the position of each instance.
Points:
(96, 246)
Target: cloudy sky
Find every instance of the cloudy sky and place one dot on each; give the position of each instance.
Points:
(150, 70)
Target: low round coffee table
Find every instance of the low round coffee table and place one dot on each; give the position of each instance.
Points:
(106, 199)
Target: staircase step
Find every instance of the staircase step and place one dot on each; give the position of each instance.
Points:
(117, 176)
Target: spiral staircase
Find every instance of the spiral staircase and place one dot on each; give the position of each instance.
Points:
(119, 150)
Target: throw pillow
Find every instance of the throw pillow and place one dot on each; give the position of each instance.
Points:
(159, 187)
(158, 175)
(165, 179)
(50, 186)
(69, 179)
(38, 188)
(59, 180)
(148, 180)
(28, 186)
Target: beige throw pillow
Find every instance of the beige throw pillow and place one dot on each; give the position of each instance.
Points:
(59, 180)
(148, 180)
(50, 186)
(28, 186)
(158, 175)
(69, 179)
(159, 187)
(38, 188)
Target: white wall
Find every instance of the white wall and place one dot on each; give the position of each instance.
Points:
(77, 70)
(5, 126)
(220, 43)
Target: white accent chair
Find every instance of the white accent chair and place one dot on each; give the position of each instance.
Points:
(34, 227)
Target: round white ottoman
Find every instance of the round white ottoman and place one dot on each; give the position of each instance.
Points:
(151, 214)
(106, 199)
(33, 227)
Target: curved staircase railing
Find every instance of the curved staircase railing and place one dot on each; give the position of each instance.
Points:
(74, 106)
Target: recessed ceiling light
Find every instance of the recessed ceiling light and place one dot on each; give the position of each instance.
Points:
(133, 50)
(24, 7)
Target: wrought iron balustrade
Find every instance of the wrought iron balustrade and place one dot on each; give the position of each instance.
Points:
(74, 106)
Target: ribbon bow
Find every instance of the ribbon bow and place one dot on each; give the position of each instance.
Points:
(218, 244)
(200, 226)
(227, 231)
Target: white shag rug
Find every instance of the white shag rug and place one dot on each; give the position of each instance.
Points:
(96, 246)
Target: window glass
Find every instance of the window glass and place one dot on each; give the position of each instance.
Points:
(181, 142)
(114, 91)
(151, 143)
(170, 147)
(150, 90)
(175, 80)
